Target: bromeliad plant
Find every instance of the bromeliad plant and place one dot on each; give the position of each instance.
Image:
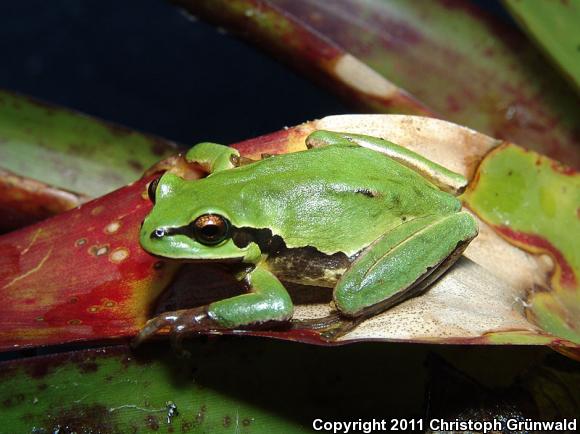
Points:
(494, 292)
(82, 276)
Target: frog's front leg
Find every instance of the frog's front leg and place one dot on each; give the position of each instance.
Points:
(213, 157)
(401, 263)
(267, 300)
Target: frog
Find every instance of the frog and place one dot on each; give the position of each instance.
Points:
(371, 220)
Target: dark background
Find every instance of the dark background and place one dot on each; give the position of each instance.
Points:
(145, 64)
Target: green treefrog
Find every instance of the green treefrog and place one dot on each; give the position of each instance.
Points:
(374, 221)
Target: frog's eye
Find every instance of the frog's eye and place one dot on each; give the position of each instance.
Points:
(152, 188)
(211, 229)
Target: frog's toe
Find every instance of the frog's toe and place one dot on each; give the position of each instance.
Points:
(152, 326)
(330, 327)
(317, 323)
(340, 328)
(180, 322)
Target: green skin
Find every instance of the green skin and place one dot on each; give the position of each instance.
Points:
(370, 203)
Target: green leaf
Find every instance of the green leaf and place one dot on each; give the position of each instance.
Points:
(554, 26)
(252, 385)
(70, 150)
(533, 202)
(111, 390)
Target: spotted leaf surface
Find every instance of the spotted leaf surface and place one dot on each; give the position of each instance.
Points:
(79, 275)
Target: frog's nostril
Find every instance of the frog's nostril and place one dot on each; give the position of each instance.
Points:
(158, 233)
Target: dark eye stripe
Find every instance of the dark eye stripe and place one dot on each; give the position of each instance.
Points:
(208, 229)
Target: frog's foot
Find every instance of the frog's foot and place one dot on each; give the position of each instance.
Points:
(330, 327)
(180, 323)
(316, 323)
(341, 328)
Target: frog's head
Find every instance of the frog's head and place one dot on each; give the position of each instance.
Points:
(187, 223)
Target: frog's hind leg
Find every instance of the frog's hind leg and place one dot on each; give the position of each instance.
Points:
(442, 177)
(401, 264)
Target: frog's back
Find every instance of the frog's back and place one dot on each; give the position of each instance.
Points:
(335, 198)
